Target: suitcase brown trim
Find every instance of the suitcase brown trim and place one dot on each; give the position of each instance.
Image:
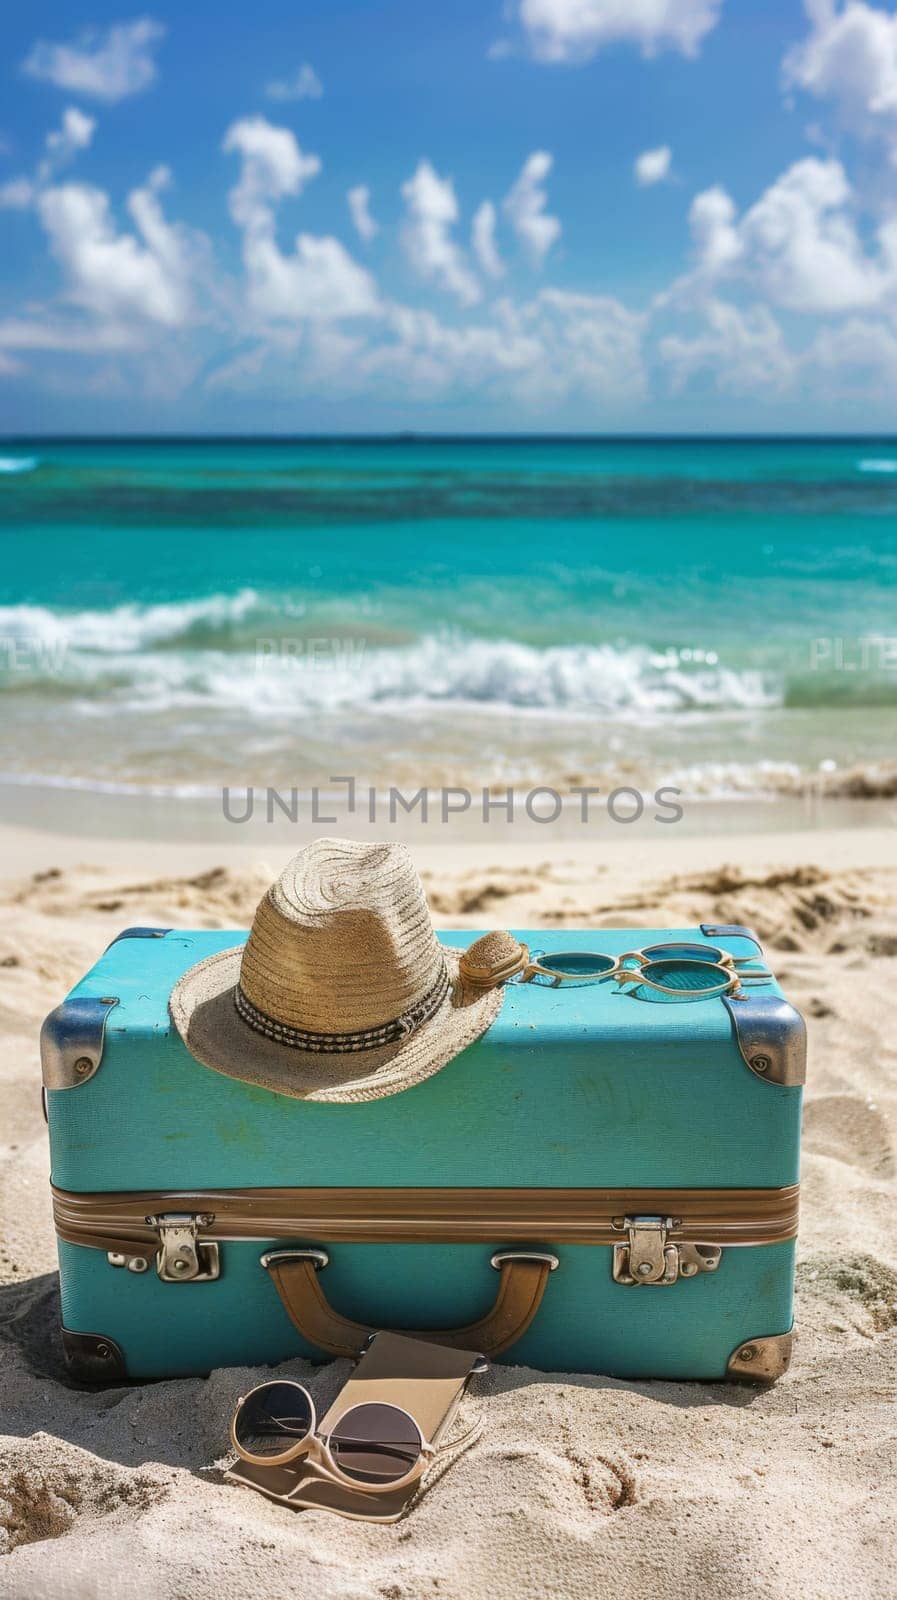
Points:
(118, 1221)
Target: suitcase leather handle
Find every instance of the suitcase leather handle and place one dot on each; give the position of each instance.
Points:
(523, 1278)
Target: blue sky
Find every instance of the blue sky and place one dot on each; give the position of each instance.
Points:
(560, 214)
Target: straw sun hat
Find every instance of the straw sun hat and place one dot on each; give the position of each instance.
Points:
(342, 991)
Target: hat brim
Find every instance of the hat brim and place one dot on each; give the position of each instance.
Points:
(204, 1012)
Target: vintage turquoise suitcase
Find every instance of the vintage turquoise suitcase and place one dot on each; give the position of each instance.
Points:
(651, 1149)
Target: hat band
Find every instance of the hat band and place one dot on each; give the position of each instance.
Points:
(339, 1043)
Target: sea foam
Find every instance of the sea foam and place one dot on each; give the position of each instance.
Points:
(214, 653)
(131, 627)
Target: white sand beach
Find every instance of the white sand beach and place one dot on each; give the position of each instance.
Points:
(580, 1486)
(471, 428)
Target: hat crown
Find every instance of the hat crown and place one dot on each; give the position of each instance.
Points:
(342, 941)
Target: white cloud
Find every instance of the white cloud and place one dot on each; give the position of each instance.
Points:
(72, 336)
(652, 166)
(525, 207)
(857, 354)
(432, 213)
(272, 166)
(743, 351)
(319, 279)
(482, 238)
(804, 243)
(63, 144)
(105, 64)
(712, 218)
(304, 85)
(575, 30)
(424, 357)
(359, 200)
(119, 275)
(139, 297)
(849, 57)
(535, 355)
(593, 345)
(16, 195)
(532, 355)
(798, 243)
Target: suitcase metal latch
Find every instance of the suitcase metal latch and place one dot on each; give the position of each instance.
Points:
(182, 1257)
(650, 1257)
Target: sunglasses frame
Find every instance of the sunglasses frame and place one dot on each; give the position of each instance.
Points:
(731, 985)
(293, 1451)
(317, 1447)
(725, 962)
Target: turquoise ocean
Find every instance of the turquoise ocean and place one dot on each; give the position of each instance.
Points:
(717, 614)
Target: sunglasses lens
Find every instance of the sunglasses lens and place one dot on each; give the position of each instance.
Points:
(376, 1443)
(695, 976)
(577, 964)
(273, 1418)
(682, 952)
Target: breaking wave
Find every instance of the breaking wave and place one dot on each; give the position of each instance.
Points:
(214, 653)
(218, 620)
(265, 657)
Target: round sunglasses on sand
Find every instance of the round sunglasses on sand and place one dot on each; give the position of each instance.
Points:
(370, 1447)
(679, 968)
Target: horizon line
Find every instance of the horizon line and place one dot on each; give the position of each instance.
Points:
(414, 436)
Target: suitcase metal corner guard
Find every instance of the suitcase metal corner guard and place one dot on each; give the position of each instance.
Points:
(588, 1145)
